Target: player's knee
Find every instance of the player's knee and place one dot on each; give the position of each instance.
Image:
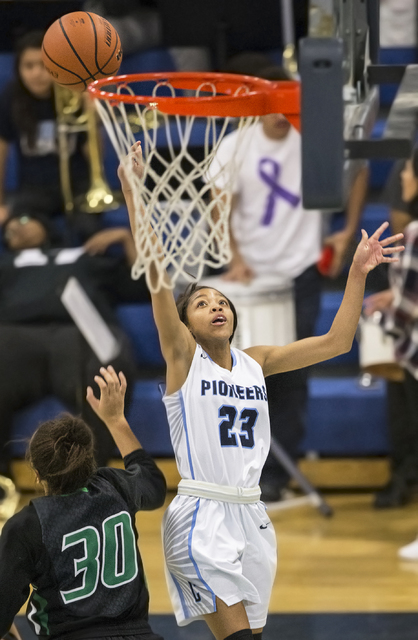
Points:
(243, 634)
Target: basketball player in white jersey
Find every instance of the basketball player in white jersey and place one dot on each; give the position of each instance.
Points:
(220, 547)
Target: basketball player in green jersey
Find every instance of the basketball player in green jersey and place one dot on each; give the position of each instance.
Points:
(77, 545)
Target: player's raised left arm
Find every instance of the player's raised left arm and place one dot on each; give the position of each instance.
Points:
(177, 343)
(369, 254)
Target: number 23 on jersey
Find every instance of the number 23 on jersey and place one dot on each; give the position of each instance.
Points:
(247, 421)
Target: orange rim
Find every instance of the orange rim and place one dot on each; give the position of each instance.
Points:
(260, 98)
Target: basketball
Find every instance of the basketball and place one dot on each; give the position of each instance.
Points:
(81, 47)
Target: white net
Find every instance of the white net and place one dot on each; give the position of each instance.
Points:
(187, 207)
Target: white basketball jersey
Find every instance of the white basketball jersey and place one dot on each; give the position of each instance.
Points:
(219, 421)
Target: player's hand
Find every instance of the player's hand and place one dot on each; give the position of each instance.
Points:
(378, 302)
(371, 251)
(134, 163)
(110, 406)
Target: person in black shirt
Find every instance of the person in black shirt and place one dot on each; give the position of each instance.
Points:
(401, 212)
(41, 350)
(401, 396)
(77, 545)
(28, 121)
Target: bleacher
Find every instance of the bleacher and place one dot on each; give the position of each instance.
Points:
(344, 417)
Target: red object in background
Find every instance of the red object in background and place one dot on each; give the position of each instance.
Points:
(324, 262)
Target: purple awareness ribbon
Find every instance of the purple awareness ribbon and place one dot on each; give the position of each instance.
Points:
(269, 171)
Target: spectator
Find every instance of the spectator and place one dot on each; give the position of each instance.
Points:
(28, 119)
(398, 23)
(276, 235)
(398, 303)
(41, 350)
(401, 212)
(103, 593)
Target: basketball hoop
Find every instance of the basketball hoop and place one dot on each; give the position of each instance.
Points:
(176, 112)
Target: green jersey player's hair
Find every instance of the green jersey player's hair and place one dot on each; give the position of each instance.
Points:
(62, 453)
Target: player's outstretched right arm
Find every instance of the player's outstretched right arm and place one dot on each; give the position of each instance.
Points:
(177, 343)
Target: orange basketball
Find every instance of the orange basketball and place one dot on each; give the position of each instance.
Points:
(81, 47)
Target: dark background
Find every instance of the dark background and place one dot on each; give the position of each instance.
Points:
(226, 27)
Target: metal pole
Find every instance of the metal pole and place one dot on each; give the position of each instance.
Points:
(288, 36)
(314, 496)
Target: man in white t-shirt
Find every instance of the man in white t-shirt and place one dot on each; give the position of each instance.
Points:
(272, 234)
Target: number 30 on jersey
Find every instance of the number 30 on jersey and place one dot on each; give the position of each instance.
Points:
(99, 559)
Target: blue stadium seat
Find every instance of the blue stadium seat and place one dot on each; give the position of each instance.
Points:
(138, 323)
(379, 167)
(11, 169)
(378, 128)
(27, 420)
(110, 162)
(374, 215)
(6, 68)
(146, 416)
(6, 74)
(148, 419)
(116, 217)
(148, 61)
(330, 302)
(395, 55)
(398, 55)
(345, 419)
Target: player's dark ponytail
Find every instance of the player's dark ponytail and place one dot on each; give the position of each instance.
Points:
(183, 300)
(62, 452)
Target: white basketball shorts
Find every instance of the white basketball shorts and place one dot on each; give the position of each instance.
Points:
(221, 549)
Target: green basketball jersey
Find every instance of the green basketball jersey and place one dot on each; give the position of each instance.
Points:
(79, 552)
